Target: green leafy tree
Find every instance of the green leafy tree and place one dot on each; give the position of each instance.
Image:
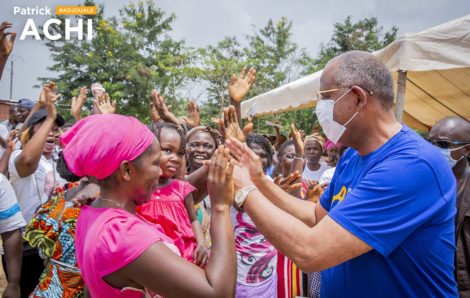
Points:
(129, 55)
(278, 60)
(274, 54)
(219, 62)
(270, 50)
(363, 35)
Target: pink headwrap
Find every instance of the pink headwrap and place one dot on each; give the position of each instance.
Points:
(96, 145)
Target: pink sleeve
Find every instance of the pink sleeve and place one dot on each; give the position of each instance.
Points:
(123, 239)
(185, 188)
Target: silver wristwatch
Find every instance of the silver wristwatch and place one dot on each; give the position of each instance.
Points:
(241, 195)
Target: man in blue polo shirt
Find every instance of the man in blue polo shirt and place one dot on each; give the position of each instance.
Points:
(385, 225)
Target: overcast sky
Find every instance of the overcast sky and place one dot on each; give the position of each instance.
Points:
(204, 22)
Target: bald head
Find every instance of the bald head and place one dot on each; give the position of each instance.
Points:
(452, 128)
(365, 70)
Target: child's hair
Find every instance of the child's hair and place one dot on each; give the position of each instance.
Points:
(263, 143)
(157, 128)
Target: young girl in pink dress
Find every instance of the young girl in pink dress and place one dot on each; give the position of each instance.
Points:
(172, 205)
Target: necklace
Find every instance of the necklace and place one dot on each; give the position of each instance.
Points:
(113, 202)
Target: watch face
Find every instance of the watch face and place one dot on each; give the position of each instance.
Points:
(239, 196)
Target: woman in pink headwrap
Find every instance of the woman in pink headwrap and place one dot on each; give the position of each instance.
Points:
(119, 253)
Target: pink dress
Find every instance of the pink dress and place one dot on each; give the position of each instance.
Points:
(167, 209)
(108, 239)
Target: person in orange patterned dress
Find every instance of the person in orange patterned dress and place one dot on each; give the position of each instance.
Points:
(52, 232)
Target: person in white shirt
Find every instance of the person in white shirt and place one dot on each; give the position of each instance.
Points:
(334, 152)
(12, 122)
(31, 169)
(313, 150)
(32, 174)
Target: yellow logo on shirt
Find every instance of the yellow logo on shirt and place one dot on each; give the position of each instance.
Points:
(340, 195)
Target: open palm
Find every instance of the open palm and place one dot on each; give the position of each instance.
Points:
(229, 126)
(239, 86)
(6, 44)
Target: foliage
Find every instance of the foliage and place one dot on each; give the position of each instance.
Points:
(133, 53)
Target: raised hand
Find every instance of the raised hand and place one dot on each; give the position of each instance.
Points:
(246, 158)
(48, 99)
(159, 102)
(314, 191)
(104, 105)
(290, 183)
(239, 86)
(48, 95)
(248, 128)
(229, 127)
(154, 113)
(297, 136)
(6, 45)
(220, 179)
(193, 118)
(78, 103)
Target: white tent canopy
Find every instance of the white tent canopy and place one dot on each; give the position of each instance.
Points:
(437, 65)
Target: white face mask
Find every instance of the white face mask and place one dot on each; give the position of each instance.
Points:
(332, 129)
(446, 152)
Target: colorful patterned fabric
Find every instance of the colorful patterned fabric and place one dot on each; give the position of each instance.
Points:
(291, 281)
(205, 220)
(52, 231)
(256, 257)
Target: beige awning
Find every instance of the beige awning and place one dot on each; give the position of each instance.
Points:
(437, 62)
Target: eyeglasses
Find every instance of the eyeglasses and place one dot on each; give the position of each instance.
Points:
(446, 144)
(320, 97)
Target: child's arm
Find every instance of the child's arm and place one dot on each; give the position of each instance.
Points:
(200, 254)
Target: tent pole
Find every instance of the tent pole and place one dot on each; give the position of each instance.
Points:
(400, 99)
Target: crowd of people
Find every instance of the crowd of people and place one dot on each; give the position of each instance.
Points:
(107, 206)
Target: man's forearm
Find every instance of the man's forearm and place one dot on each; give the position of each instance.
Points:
(284, 231)
(12, 243)
(300, 209)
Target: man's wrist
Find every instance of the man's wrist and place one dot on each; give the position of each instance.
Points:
(260, 180)
(242, 194)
